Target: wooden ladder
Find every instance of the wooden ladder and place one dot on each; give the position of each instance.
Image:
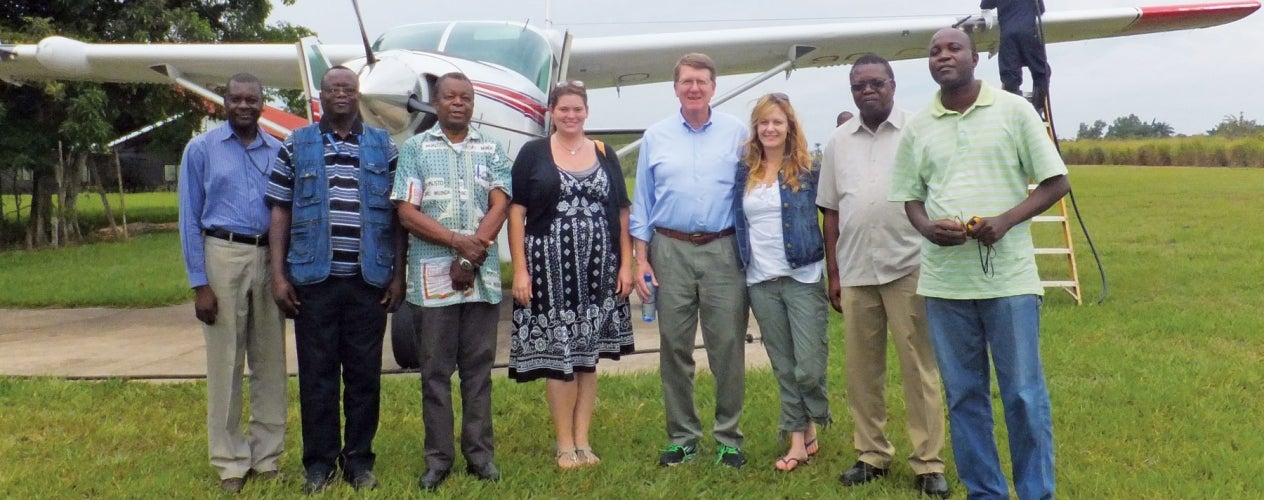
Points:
(1062, 247)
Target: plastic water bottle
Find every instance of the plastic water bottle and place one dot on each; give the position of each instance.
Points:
(648, 309)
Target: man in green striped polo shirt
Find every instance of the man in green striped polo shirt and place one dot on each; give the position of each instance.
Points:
(962, 170)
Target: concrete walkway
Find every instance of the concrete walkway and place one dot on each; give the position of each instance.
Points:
(167, 343)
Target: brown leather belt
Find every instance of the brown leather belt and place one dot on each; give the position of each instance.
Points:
(231, 237)
(695, 238)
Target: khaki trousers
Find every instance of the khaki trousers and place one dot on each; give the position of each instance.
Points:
(248, 329)
(868, 312)
(701, 283)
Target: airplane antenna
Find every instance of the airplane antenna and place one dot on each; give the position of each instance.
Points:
(548, 14)
(364, 35)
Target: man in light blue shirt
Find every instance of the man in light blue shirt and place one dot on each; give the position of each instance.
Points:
(682, 222)
(224, 234)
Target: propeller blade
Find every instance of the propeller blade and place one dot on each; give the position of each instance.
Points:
(364, 35)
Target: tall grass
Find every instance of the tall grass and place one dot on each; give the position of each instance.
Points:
(146, 271)
(1193, 151)
(1155, 392)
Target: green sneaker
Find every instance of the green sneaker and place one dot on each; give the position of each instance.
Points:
(674, 454)
(730, 456)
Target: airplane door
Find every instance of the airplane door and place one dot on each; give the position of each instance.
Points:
(563, 67)
(313, 64)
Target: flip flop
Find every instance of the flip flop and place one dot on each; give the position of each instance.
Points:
(787, 464)
(813, 448)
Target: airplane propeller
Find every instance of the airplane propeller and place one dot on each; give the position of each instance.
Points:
(392, 95)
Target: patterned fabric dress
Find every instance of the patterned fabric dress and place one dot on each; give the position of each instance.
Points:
(575, 315)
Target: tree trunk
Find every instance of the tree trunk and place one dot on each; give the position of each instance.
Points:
(17, 199)
(41, 210)
(118, 170)
(98, 172)
(55, 215)
(70, 211)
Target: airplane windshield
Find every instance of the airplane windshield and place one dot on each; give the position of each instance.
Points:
(524, 51)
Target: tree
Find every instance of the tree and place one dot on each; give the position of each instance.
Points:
(1236, 126)
(81, 117)
(1131, 127)
(1096, 131)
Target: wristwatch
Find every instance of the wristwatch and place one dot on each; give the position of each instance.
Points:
(465, 264)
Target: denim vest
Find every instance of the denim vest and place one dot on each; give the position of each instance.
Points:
(801, 231)
(311, 250)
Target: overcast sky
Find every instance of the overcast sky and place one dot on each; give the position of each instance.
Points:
(1188, 79)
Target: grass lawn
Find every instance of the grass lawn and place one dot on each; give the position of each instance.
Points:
(1154, 392)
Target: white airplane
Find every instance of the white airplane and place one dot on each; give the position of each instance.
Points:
(513, 65)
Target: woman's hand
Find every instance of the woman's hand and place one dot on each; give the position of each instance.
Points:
(623, 284)
(522, 287)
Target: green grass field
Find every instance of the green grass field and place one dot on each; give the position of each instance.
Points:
(1154, 392)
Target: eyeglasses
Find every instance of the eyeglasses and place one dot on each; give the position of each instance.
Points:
(874, 84)
(780, 96)
(570, 83)
(339, 90)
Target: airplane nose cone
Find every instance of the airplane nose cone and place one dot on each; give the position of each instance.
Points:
(385, 89)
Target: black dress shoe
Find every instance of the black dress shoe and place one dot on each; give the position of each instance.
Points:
(431, 480)
(485, 472)
(860, 473)
(932, 484)
(316, 482)
(363, 480)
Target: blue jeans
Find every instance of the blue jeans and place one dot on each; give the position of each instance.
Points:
(963, 331)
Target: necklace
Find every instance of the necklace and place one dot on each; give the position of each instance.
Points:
(575, 151)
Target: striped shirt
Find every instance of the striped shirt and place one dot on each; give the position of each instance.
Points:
(342, 167)
(222, 184)
(976, 163)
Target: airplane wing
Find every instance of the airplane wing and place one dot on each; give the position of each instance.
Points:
(602, 61)
(59, 58)
(635, 59)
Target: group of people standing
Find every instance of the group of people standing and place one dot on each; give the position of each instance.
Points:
(335, 228)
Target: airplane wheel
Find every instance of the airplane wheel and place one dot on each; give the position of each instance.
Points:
(404, 340)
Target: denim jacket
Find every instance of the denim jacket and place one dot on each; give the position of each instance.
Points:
(311, 248)
(801, 231)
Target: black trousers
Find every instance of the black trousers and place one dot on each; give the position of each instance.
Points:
(1024, 49)
(457, 338)
(338, 333)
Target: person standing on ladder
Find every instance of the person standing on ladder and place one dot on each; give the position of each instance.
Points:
(1022, 45)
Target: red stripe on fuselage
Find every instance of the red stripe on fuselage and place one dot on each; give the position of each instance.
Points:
(519, 101)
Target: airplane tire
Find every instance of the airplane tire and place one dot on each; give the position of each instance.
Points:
(404, 340)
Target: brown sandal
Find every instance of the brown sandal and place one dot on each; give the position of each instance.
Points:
(787, 464)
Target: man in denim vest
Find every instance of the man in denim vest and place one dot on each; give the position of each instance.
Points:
(337, 269)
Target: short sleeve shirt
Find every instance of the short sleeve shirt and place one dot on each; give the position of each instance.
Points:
(976, 163)
(876, 243)
(451, 184)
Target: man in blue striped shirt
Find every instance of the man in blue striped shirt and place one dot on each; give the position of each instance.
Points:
(337, 269)
(224, 234)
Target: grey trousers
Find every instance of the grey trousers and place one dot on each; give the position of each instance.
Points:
(793, 321)
(701, 282)
(249, 329)
(457, 338)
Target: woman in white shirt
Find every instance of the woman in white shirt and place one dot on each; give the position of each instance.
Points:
(783, 251)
